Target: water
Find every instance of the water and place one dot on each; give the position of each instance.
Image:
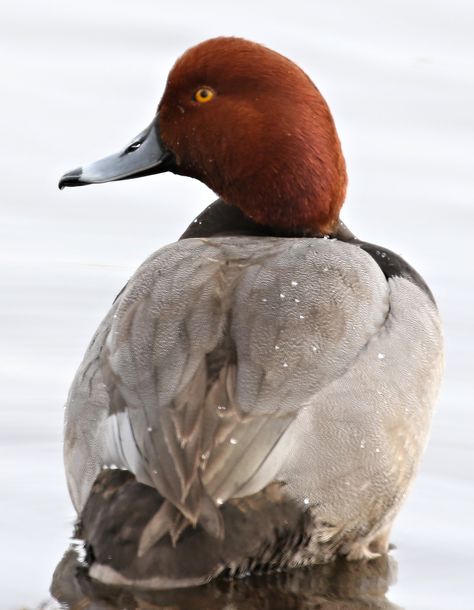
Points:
(78, 81)
(339, 586)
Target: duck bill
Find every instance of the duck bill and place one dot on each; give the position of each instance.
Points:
(145, 155)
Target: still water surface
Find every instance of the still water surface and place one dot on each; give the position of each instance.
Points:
(339, 586)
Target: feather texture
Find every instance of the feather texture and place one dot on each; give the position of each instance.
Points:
(213, 356)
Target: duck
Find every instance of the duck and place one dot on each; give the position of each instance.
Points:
(259, 396)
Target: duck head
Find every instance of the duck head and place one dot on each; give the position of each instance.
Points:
(249, 124)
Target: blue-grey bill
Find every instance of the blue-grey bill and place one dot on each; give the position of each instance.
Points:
(145, 155)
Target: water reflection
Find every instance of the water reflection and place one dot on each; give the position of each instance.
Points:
(338, 586)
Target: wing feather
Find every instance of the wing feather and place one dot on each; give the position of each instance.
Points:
(212, 361)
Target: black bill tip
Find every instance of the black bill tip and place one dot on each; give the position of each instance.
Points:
(72, 178)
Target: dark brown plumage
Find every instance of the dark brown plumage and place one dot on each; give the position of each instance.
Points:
(263, 531)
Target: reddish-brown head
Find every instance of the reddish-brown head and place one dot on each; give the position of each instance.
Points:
(265, 142)
(251, 125)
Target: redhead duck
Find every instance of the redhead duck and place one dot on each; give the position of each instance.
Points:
(260, 394)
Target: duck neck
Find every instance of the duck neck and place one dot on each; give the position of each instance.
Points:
(222, 219)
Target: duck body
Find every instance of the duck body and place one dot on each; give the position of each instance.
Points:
(231, 364)
(260, 394)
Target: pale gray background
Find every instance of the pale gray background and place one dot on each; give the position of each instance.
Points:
(78, 80)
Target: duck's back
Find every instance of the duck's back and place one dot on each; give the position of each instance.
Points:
(229, 363)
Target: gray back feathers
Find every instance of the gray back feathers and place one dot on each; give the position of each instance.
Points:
(199, 378)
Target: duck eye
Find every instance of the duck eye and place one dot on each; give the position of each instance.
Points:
(203, 95)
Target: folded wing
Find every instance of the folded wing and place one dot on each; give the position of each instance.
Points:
(214, 349)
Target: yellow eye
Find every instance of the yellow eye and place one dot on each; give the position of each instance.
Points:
(203, 95)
